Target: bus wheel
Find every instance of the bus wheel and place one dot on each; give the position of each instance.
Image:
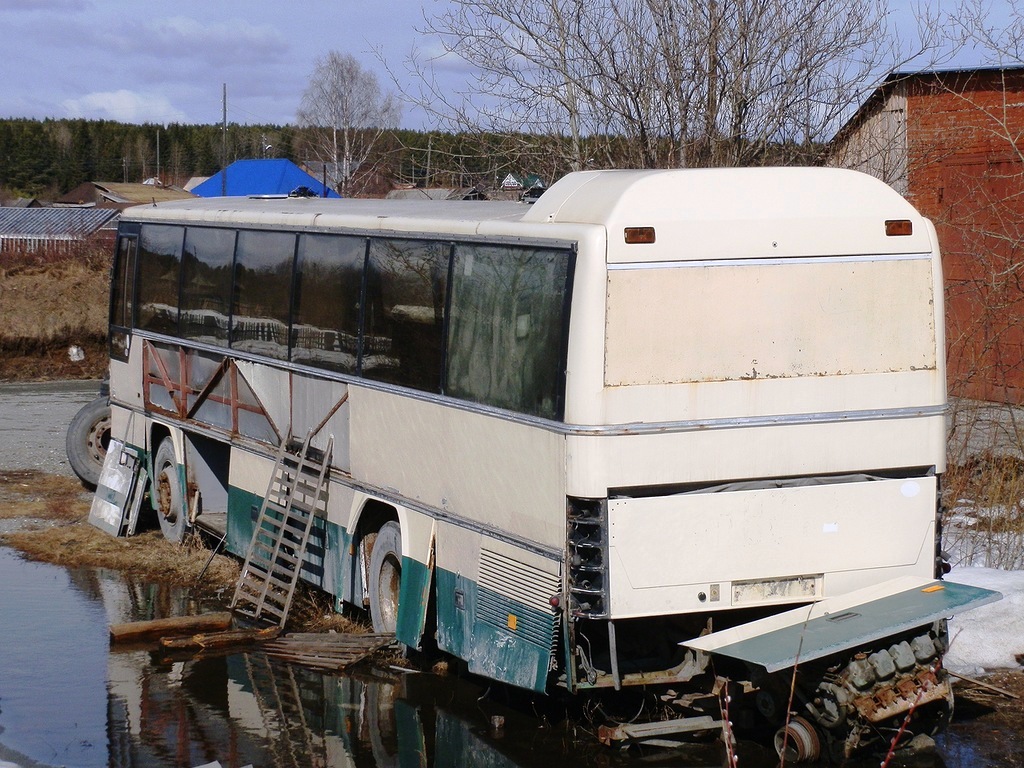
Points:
(385, 578)
(87, 440)
(166, 491)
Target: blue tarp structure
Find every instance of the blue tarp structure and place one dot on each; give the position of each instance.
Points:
(261, 177)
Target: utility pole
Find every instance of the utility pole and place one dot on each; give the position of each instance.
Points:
(224, 147)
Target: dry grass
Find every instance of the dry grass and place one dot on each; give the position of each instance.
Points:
(28, 493)
(313, 611)
(147, 555)
(54, 302)
(983, 488)
(56, 530)
(995, 486)
(50, 302)
(51, 515)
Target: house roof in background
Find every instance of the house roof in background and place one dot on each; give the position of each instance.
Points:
(894, 79)
(275, 176)
(117, 194)
(54, 223)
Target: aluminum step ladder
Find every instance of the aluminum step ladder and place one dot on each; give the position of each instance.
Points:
(270, 573)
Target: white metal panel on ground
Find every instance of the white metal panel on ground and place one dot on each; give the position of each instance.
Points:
(850, 621)
(770, 533)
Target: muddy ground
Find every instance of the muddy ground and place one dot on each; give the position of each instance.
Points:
(45, 517)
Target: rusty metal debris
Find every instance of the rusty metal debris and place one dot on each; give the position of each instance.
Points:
(652, 733)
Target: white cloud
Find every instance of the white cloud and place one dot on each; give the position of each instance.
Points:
(124, 106)
(181, 38)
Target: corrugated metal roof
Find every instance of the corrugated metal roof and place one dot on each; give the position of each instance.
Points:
(53, 223)
(140, 193)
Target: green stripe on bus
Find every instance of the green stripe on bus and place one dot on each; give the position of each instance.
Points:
(499, 637)
(412, 602)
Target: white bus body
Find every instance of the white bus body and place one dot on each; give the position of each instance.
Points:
(652, 404)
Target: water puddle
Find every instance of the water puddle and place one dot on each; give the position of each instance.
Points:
(68, 699)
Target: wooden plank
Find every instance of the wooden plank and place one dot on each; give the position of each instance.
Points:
(335, 641)
(983, 684)
(340, 636)
(221, 639)
(175, 625)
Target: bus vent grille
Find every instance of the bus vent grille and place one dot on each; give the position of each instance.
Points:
(506, 587)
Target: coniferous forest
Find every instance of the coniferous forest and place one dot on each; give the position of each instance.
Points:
(47, 158)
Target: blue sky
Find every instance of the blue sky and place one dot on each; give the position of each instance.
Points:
(165, 61)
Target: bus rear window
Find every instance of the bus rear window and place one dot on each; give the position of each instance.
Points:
(769, 319)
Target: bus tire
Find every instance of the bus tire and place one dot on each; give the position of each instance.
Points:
(166, 493)
(87, 440)
(385, 578)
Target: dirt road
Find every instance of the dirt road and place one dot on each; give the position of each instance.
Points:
(33, 422)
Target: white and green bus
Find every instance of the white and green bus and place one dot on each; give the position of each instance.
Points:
(654, 420)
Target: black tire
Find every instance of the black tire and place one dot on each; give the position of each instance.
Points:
(166, 493)
(87, 440)
(385, 577)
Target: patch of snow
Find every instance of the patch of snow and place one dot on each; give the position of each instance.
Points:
(992, 636)
(970, 541)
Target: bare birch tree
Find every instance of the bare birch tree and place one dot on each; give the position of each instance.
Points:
(678, 82)
(346, 112)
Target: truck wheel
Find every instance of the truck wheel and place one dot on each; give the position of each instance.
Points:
(166, 494)
(385, 578)
(87, 440)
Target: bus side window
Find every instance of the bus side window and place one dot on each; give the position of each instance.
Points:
(159, 278)
(263, 289)
(325, 320)
(506, 328)
(206, 284)
(122, 303)
(406, 283)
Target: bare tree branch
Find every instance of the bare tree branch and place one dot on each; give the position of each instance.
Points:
(347, 112)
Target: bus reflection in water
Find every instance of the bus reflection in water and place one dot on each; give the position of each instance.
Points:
(244, 709)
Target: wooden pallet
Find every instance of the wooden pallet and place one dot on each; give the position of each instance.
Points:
(326, 651)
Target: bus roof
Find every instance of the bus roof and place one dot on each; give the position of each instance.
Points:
(304, 212)
(696, 213)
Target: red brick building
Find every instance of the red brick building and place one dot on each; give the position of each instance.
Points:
(953, 143)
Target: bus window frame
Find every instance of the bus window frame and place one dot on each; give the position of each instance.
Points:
(450, 244)
(119, 334)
